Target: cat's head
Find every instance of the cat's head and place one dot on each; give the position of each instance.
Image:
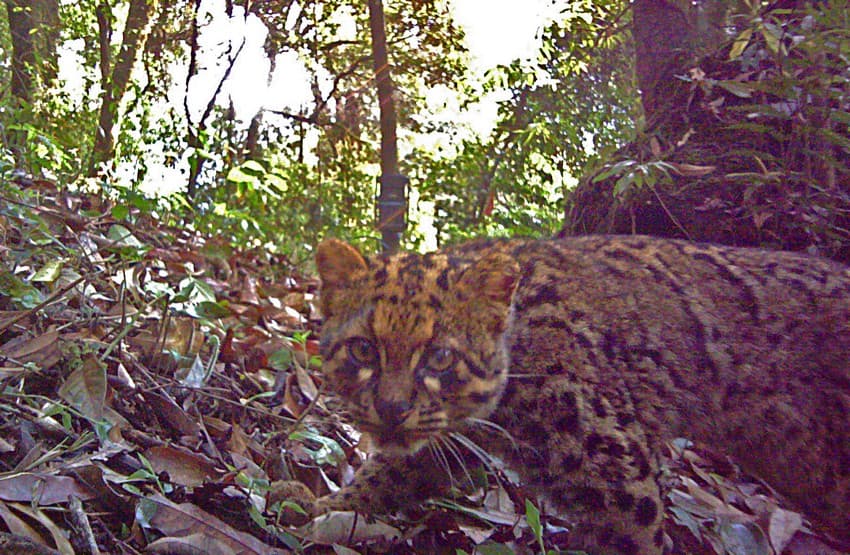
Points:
(414, 344)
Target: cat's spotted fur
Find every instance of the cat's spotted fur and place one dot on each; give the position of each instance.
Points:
(591, 352)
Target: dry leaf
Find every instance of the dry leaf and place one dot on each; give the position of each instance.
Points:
(41, 489)
(184, 468)
(63, 546)
(783, 525)
(85, 389)
(346, 527)
(193, 544)
(187, 519)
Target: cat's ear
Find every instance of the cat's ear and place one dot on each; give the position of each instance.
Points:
(338, 263)
(495, 277)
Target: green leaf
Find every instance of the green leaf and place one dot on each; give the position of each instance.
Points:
(281, 359)
(493, 548)
(253, 167)
(741, 42)
(124, 236)
(741, 90)
(49, 272)
(772, 36)
(120, 211)
(532, 515)
(209, 310)
(329, 451)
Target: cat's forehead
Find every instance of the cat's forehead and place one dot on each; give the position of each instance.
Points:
(408, 295)
(411, 273)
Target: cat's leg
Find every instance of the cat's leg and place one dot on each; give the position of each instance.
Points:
(582, 450)
(383, 484)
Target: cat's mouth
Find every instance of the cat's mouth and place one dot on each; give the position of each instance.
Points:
(394, 441)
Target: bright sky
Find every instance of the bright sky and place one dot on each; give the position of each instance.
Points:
(497, 32)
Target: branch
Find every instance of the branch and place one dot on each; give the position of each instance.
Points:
(104, 37)
(193, 61)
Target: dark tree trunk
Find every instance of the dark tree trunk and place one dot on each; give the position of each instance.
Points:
(662, 36)
(735, 153)
(23, 70)
(392, 205)
(21, 27)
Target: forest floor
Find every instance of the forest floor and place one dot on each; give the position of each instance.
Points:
(153, 382)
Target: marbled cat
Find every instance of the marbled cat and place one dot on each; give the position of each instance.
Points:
(573, 361)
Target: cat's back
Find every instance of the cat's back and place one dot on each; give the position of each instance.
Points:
(743, 349)
(720, 307)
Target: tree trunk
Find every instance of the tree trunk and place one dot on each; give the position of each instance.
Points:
(19, 13)
(758, 160)
(392, 204)
(21, 26)
(117, 78)
(662, 34)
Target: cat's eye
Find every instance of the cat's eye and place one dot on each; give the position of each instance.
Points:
(362, 351)
(441, 359)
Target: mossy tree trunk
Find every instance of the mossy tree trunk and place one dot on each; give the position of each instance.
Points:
(744, 138)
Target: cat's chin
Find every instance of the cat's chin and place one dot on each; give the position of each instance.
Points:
(394, 444)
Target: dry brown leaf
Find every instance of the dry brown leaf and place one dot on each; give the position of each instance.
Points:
(193, 544)
(187, 519)
(783, 525)
(18, 526)
(760, 217)
(345, 527)
(85, 389)
(183, 337)
(691, 170)
(41, 489)
(171, 415)
(718, 507)
(43, 351)
(655, 146)
(63, 546)
(184, 468)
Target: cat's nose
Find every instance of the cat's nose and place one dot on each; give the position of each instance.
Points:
(392, 413)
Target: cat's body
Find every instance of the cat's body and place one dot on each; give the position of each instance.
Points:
(591, 352)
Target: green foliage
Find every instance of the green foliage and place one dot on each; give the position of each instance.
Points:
(290, 178)
(574, 102)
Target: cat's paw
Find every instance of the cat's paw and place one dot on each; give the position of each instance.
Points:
(298, 502)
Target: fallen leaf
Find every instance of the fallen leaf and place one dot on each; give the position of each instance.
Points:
(85, 388)
(691, 170)
(193, 544)
(41, 489)
(782, 527)
(346, 527)
(184, 468)
(18, 526)
(187, 519)
(63, 546)
(43, 351)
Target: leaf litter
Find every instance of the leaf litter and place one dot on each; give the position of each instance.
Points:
(161, 381)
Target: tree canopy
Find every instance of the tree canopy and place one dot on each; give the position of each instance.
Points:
(166, 168)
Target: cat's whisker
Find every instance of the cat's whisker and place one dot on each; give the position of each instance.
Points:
(453, 450)
(489, 461)
(434, 445)
(493, 426)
